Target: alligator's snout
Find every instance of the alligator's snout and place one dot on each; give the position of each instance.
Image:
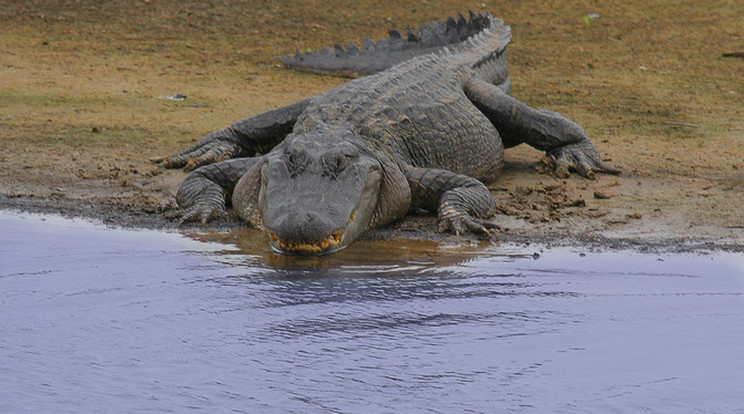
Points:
(309, 233)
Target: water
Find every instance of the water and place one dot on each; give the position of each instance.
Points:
(113, 321)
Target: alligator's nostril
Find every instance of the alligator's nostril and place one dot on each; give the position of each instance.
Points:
(307, 227)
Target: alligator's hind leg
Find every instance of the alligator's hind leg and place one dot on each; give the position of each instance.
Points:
(206, 191)
(563, 140)
(244, 138)
(461, 202)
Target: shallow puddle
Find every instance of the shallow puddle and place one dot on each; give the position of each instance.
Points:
(101, 320)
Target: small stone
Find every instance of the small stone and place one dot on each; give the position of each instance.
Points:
(579, 202)
(601, 196)
(523, 191)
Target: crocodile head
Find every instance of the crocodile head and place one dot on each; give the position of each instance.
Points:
(317, 193)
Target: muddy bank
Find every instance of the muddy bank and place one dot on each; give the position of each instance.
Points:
(418, 226)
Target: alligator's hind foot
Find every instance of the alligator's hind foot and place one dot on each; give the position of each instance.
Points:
(581, 157)
(565, 142)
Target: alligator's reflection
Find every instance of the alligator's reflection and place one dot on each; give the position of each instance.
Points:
(395, 255)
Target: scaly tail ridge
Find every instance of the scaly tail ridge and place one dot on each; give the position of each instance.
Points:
(374, 57)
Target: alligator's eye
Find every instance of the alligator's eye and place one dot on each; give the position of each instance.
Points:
(295, 161)
(291, 161)
(339, 163)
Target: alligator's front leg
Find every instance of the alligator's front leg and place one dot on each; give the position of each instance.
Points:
(461, 202)
(563, 140)
(258, 133)
(206, 191)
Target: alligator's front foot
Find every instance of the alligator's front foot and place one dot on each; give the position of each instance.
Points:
(199, 198)
(214, 147)
(459, 222)
(581, 157)
(203, 211)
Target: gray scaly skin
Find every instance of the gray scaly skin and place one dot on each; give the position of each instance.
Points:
(425, 129)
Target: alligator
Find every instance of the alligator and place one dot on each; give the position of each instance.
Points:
(424, 127)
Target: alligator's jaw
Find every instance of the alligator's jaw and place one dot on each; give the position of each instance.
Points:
(332, 244)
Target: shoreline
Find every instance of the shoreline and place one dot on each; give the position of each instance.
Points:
(417, 227)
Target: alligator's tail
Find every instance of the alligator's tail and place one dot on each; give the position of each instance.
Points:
(377, 56)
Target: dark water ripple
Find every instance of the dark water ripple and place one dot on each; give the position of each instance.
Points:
(96, 320)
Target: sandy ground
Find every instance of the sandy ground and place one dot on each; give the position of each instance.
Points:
(82, 109)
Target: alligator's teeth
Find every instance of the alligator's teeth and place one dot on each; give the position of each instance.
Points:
(333, 240)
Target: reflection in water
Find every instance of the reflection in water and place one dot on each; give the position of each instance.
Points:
(362, 256)
(96, 320)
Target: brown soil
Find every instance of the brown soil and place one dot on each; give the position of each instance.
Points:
(81, 113)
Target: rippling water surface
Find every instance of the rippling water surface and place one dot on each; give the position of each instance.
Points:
(100, 320)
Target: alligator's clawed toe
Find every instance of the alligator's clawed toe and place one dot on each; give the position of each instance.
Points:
(200, 212)
(169, 161)
(464, 223)
(174, 214)
(581, 157)
(207, 151)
